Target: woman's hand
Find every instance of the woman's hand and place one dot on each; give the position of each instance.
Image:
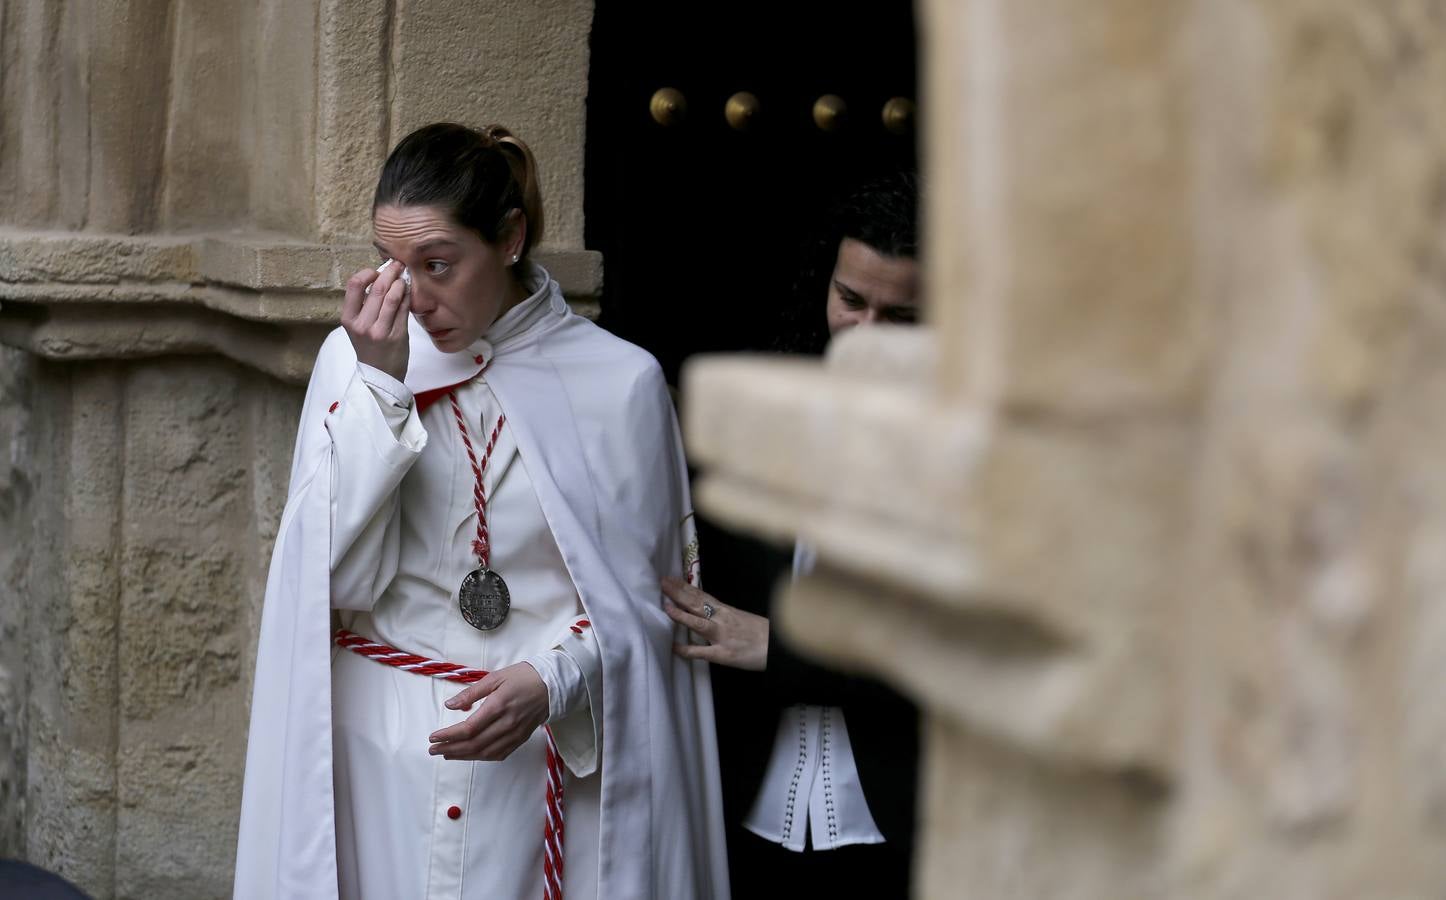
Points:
(516, 706)
(735, 638)
(376, 321)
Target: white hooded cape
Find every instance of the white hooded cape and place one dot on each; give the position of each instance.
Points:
(592, 417)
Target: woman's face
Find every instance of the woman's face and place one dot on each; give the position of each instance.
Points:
(460, 283)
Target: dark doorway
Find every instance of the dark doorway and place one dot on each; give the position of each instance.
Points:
(702, 225)
(699, 223)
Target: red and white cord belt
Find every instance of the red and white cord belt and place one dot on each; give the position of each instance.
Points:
(410, 662)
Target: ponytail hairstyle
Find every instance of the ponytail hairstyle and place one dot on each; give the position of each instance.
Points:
(478, 177)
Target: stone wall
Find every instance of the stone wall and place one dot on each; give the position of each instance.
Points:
(162, 116)
(18, 475)
(145, 587)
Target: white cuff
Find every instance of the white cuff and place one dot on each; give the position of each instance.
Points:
(566, 689)
(393, 397)
(572, 672)
(394, 426)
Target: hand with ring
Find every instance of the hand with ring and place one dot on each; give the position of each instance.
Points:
(734, 637)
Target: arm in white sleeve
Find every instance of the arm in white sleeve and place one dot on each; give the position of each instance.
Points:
(376, 436)
(393, 397)
(572, 671)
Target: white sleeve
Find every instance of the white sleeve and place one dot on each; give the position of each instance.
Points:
(572, 671)
(393, 398)
(376, 437)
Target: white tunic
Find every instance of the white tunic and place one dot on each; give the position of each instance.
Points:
(597, 452)
(410, 824)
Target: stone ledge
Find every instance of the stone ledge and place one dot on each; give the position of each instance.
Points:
(805, 435)
(266, 303)
(278, 307)
(89, 332)
(1080, 706)
(259, 265)
(39, 267)
(934, 518)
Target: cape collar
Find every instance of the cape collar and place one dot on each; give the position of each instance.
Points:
(432, 373)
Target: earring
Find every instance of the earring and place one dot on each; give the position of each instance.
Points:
(515, 258)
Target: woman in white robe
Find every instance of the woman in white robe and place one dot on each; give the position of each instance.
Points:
(464, 420)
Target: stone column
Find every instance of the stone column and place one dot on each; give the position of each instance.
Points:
(1149, 520)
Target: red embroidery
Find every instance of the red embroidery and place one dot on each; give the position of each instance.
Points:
(334, 406)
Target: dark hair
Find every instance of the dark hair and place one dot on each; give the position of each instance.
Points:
(479, 177)
(882, 213)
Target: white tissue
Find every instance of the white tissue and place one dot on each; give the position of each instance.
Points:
(406, 274)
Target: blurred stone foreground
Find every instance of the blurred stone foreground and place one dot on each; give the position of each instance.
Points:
(1152, 521)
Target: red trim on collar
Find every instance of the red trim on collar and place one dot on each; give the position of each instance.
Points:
(427, 398)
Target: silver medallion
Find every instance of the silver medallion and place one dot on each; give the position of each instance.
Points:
(484, 599)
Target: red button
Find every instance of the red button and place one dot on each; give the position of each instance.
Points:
(478, 359)
(454, 812)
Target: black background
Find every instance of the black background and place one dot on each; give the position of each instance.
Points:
(701, 226)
